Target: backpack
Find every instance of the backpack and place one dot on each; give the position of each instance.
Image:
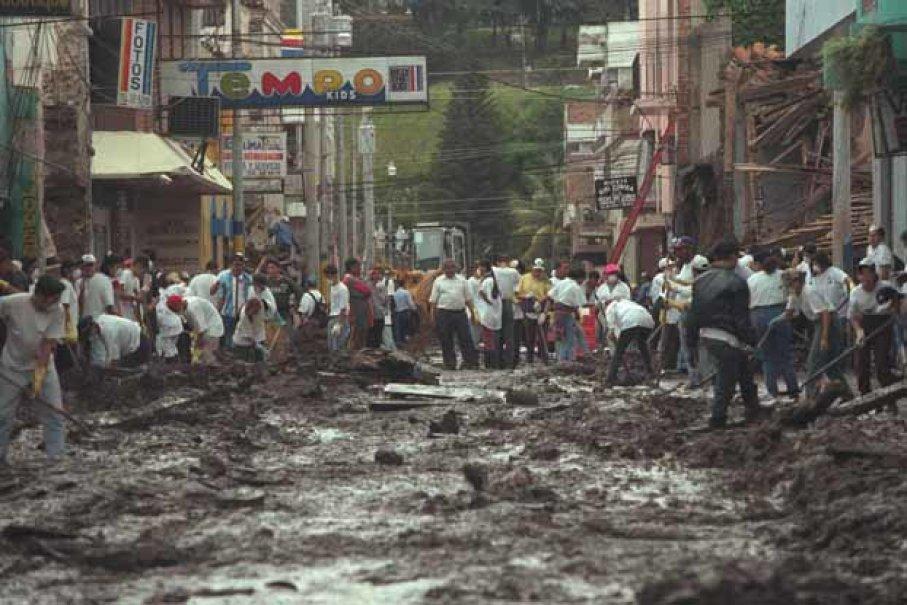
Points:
(319, 315)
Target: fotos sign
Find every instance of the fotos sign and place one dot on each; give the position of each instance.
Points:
(136, 63)
(264, 156)
(36, 8)
(315, 82)
(616, 193)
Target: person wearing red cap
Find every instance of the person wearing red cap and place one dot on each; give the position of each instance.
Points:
(612, 288)
(205, 322)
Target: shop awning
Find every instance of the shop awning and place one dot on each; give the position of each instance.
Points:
(145, 156)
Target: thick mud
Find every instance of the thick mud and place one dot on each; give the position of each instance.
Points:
(243, 486)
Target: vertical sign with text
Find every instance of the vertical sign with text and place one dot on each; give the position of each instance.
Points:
(136, 63)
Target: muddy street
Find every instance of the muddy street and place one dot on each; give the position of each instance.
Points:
(231, 487)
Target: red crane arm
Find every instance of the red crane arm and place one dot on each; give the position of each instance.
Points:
(642, 195)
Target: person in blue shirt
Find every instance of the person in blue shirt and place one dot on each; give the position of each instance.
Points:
(232, 289)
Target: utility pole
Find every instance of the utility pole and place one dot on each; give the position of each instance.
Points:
(311, 186)
(367, 148)
(239, 206)
(841, 236)
(523, 73)
(343, 211)
(324, 199)
(354, 190)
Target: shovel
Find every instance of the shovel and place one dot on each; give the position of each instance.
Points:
(30, 396)
(758, 346)
(818, 373)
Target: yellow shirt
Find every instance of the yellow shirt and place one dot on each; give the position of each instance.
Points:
(530, 286)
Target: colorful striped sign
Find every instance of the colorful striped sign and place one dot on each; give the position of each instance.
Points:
(136, 63)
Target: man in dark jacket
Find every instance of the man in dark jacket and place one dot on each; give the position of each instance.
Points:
(719, 316)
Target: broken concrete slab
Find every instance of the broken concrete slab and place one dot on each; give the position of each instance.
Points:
(442, 392)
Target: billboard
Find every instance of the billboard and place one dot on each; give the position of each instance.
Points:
(314, 82)
(43, 8)
(136, 63)
(264, 156)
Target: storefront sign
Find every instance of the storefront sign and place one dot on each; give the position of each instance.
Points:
(616, 193)
(136, 63)
(264, 156)
(44, 8)
(300, 82)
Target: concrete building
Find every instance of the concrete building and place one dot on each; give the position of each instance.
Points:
(681, 57)
(857, 128)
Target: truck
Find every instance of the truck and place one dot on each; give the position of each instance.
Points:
(432, 243)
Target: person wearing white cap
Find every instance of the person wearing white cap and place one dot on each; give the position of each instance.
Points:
(95, 290)
(865, 316)
(878, 253)
(531, 294)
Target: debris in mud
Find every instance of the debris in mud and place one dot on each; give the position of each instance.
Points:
(242, 497)
(388, 457)
(477, 475)
(389, 365)
(734, 582)
(544, 451)
(448, 425)
(443, 392)
(522, 397)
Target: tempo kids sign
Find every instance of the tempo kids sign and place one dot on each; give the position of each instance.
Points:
(323, 82)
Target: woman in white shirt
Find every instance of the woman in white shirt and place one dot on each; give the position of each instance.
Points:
(568, 297)
(768, 297)
(490, 308)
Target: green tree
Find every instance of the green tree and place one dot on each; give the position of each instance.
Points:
(752, 20)
(470, 168)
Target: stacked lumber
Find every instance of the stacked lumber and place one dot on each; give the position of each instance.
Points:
(819, 230)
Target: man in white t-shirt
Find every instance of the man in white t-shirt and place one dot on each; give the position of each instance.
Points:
(204, 321)
(34, 327)
(508, 278)
(628, 322)
(338, 311)
(866, 317)
(812, 301)
(202, 284)
(95, 290)
(879, 254)
(449, 299)
(112, 340)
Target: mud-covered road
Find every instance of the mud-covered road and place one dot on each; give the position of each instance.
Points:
(233, 488)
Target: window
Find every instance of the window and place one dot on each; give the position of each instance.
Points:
(214, 17)
(106, 8)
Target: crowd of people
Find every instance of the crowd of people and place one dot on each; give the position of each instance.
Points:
(706, 316)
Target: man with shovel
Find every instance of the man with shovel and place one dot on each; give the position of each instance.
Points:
(35, 324)
(719, 316)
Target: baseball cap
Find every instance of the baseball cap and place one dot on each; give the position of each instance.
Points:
(684, 241)
(867, 263)
(700, 263)
(539, 264)
(89, 259)
(612, 269)
(175, 302)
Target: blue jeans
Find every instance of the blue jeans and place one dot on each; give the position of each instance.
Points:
(566, 348)
(776, 353)
(337, 343)
(11, 393)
